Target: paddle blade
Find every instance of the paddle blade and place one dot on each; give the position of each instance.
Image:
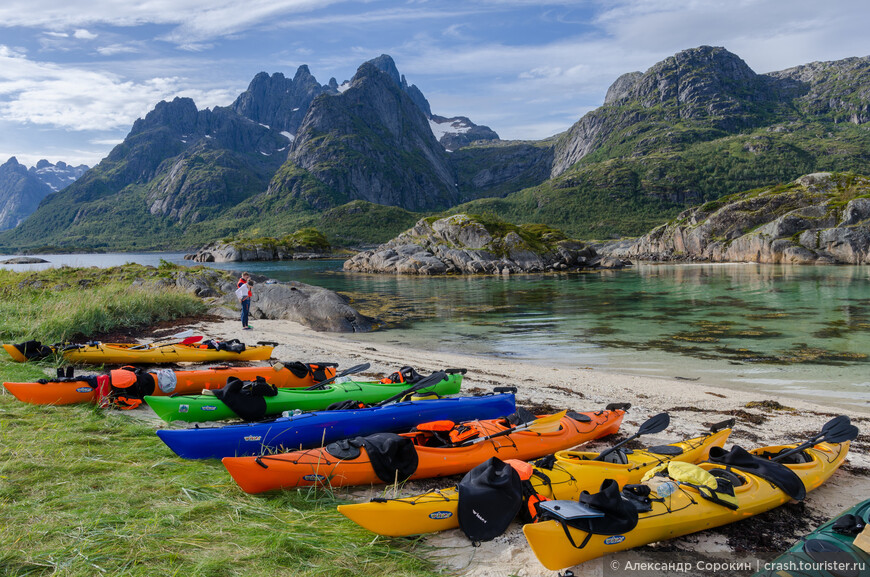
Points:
(842, 434)
(353, 370)
(191, 340)
(655, 424)
(548, 424)
(836, 423)
(181, 335)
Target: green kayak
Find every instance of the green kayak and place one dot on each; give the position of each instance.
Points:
(201, 408)
(829, 551)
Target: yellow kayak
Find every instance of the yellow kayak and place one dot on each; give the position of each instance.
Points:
(571, 473)
(131, 353)
(685, 511)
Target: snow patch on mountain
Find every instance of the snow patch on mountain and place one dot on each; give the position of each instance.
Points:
(451, 126)
(288, 136)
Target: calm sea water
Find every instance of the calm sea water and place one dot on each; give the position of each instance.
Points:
(803, 331)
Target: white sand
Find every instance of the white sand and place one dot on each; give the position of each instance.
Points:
(580, 389)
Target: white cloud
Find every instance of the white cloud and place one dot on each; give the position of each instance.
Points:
(83, 34)
(195, 20)
(82, 99)
(113, 49)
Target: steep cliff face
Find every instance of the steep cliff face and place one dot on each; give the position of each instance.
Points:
(838, 91)
(372, 142)
(819, 218)
(279, 102)
(20, 193)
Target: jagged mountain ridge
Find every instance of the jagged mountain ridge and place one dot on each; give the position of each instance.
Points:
(57, 176)
(20, 193)
(375, 123)
(691, 128)
(22, 189)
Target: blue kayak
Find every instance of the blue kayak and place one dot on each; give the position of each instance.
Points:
(317, 428)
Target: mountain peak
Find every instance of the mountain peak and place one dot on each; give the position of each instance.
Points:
(301, 72)
(385, 64)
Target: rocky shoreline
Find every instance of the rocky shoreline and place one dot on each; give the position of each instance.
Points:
(821, 218)
(465, 244)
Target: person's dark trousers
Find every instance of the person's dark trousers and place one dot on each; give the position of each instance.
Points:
(246, 307)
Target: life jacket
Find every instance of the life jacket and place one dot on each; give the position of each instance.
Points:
(719, 490)
(463, 433)
(403, 375)
(124, 388)
(530, 511)
(317, 371)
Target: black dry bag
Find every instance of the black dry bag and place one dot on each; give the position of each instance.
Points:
(490, 496)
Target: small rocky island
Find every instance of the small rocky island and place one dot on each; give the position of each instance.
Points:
(820, 218)
(23, 260)
(304, 244)
(466, 244)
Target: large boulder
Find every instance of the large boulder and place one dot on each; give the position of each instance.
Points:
(463, 244)
(316, 307)
(313, 306)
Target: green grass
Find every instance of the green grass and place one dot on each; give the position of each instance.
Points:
(89, 492)
(86, 491)
(54, 313)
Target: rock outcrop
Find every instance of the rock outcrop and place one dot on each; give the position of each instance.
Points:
(313, 306)
(461, 244)
(819, 218)
(302, 245)
(316, 307)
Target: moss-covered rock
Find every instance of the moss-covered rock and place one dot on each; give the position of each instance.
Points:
(819, 218)
(306, 243)
(476, 244)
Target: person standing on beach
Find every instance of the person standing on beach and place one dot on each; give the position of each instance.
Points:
(244, 293)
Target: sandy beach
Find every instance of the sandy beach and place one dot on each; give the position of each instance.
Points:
(693, 406)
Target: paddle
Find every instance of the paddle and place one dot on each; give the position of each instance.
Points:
(655, 424)
(837, 430)
(429, 381)
(350, 371)
(181, 335)
(547, 424)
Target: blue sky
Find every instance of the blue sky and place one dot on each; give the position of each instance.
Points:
(75, 75)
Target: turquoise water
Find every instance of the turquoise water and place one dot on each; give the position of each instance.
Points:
(803, 331)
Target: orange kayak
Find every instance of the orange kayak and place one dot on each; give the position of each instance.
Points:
(416, 455)
(167, 382)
